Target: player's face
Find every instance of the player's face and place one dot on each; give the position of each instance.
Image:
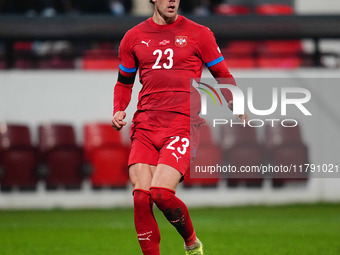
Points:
(167, 8)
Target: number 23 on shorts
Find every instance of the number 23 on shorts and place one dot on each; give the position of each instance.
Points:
(182, 148)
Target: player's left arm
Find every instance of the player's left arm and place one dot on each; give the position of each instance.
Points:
(213, 59)
(222, 75)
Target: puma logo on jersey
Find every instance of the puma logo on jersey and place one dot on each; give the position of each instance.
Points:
(177, 158)
(146, 43)
(181, 41)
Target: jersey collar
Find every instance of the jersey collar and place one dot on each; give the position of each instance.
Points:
(155, 25)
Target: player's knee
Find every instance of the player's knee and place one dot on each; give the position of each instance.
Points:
(141, 198)
(162, 197)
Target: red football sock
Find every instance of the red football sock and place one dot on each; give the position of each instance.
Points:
(175, 211)
(145, 222)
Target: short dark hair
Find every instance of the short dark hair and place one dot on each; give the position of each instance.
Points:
(152, 2)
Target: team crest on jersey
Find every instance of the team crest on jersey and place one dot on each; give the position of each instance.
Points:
(181, 41)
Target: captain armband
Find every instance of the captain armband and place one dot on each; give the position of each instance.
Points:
(126, 80)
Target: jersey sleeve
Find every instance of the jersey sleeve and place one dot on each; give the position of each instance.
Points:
(213, 59)
(127, 60)
(126, 75)
(223, 76)
(208, 49)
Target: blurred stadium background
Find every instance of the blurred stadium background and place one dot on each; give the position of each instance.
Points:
(58, 66)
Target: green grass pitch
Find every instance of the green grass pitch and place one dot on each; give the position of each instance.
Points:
(256, 230)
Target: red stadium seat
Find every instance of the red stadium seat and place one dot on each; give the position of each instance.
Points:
(284, 54)
(284, 146)
(279, 135)
(240, 54)
(274, 9)
(3, 63)
(240, 61)
(100, 59)
(227, 9)
(24, 63)
(244, 156)
(18, 158)
(241, 148)
(290, 156)
(107, 155)
(56, 62)
(238, 135)
(23, 55)
(208, 154)
(100, 135)
(61, 155)
(280, 54)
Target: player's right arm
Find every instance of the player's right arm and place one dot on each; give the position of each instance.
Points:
(126, 77)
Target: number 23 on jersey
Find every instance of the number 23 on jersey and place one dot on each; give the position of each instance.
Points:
(168, 54)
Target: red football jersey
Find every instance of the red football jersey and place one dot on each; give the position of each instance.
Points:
(167, 57)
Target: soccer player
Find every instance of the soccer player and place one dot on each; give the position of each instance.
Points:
(168, 50)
